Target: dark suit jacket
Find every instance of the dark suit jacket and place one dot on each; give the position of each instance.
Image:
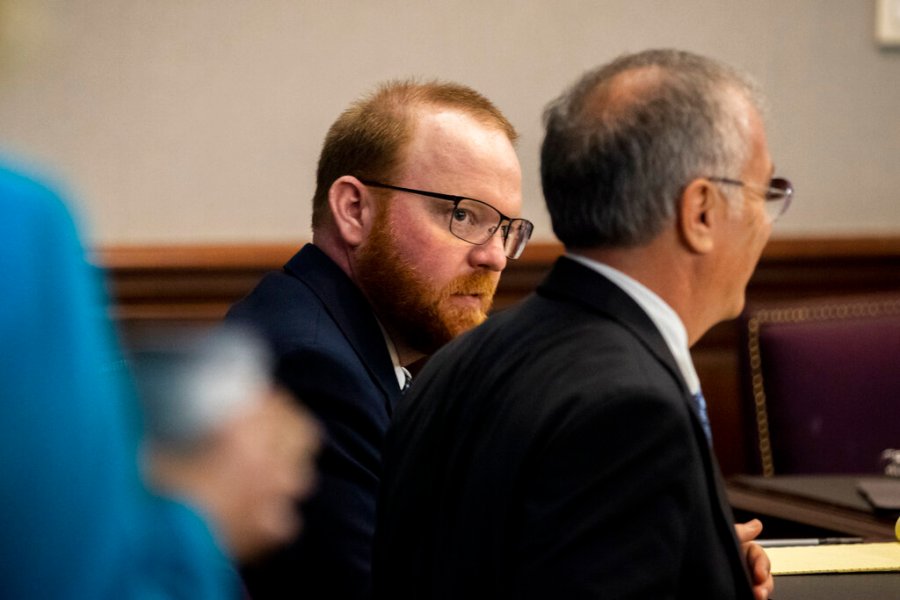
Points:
(333, 357)
(554, 452)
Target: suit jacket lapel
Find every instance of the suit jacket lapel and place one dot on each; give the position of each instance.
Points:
(573, 282)
(578, 284)
(352, 313)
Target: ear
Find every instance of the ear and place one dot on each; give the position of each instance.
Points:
(351, 209)
(696, 215)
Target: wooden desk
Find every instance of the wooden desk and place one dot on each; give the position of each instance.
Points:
(838, 586)
(825, 504)
(816, 506)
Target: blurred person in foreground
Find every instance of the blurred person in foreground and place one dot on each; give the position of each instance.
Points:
(415, 214)
(213, 418)
(77, 519)
(562, 449)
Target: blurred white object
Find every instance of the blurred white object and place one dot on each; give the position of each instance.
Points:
(191, 388)
(890, 459)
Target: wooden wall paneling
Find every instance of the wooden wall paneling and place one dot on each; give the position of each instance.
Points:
(165, 288)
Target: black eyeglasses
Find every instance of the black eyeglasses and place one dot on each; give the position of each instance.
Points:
(474, 221)
(777, 196)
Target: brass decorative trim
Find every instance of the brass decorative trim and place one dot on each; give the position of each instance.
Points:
(827, 311)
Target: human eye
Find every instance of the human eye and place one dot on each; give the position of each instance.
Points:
(464, 216)
(474, 221)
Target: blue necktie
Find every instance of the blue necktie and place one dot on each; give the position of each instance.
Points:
(704, 416)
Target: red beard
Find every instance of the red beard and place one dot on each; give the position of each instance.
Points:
(407, 303)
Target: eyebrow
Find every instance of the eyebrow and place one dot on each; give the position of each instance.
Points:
(439, 195)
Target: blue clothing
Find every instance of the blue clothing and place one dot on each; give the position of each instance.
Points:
(75, 519)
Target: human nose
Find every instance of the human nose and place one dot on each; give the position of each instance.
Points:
(490, 255)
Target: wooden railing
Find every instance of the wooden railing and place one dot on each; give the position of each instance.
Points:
(166, 287)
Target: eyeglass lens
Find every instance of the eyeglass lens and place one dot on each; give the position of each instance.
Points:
(778, 197)
(476, 222)
(517, 236)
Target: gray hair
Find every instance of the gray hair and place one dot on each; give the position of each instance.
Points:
(191, 386)
(623, 142)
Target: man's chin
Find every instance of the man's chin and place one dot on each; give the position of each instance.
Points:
(464, 322)
(429, 336)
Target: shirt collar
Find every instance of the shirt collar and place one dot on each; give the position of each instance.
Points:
(663, 316)
(399, 370)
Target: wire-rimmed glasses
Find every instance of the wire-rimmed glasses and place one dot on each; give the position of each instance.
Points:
(777, 196)
(475, 221)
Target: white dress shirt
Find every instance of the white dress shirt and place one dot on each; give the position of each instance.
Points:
(400, 371)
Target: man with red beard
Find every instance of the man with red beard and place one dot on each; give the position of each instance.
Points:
(414, 217)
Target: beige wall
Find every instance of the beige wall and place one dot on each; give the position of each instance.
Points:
(190, 121)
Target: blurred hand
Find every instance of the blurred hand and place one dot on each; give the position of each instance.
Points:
(248, 474)
(756, 558)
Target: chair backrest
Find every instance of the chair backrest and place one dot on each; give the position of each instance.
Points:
(822, 384)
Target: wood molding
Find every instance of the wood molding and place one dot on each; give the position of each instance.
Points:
(221, 256)
(193, 257)
(832, 247)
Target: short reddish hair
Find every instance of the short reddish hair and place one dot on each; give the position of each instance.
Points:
(369, 137)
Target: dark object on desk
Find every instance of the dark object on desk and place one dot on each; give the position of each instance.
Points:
(818, 506)
(882, 494)
(833, 490)
(822, 384)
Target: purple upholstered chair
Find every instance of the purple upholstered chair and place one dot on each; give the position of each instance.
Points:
(822, 383)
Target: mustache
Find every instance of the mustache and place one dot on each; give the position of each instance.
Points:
(472, 284)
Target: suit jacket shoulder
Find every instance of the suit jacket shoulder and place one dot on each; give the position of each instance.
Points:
(333, 356)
